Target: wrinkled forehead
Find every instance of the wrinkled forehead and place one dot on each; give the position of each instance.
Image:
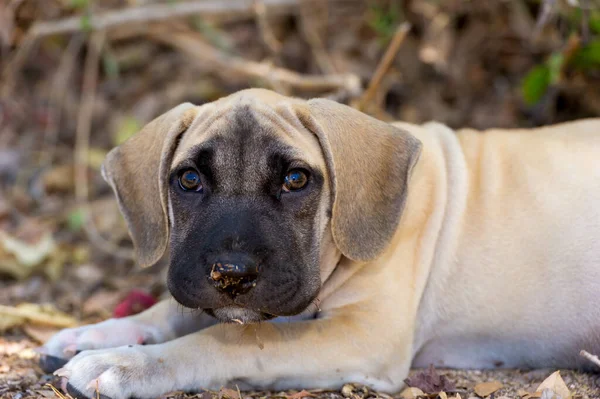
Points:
(242, 134)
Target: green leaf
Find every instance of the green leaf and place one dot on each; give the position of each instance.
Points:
(110, 65)
(76, 219)
(555, 64)
(80, 4)
(535, 84)
(384, 20)
(588, 57)
(128, 127)
(594, 22)
(86, 23)
(215, 36)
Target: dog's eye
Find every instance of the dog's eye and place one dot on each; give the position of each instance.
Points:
(295, 180)
(190, 180)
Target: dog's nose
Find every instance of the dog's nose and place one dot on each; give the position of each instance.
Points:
(234, 277)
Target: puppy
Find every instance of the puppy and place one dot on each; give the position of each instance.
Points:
(337, 248)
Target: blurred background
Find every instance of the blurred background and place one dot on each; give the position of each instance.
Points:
(78, 77)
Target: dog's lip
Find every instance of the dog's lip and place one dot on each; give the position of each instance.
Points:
(242, 313)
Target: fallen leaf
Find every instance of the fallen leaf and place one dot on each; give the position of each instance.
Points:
(523, 393)
(430, 381)
(40, 334)
(442, 395)
(46, 393)
(30, 313)
(101, 303)
(487, 388)
(59, 179)
(18, 257)
(300, 395)
(411, 393)
(347, 391)
(229, 393)
(556, 384)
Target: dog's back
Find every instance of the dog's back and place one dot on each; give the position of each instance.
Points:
(527, 252)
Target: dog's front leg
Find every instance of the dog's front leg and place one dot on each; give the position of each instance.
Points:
(163, 322)
(322, 353)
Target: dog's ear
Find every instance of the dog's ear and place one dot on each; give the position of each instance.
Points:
(369, 163)
(137, 170)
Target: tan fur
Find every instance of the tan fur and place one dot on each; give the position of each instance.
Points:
(495, 262)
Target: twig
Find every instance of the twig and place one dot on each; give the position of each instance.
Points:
(158, 12)
(82, 143)
(592, 358)
(56, 391)
(6, 34)
(57, 96)
(544, 15)
(310, 30)
(27, 46)
(266, 32)
(585, 21)
(384, 64)
(192, 44)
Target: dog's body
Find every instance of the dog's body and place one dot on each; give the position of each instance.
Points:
(470, 250)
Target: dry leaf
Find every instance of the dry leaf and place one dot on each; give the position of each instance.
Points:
(40, 334)
(228, 393)
(442, 395)
(300, 395)
(31, 313)
(18, 258)
(556, 384)
(430, 381)
(411, 393)
(102, 302)
(46, 393)
(487, 388)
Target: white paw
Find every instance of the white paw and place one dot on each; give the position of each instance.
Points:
(107, 334)
(118, 373)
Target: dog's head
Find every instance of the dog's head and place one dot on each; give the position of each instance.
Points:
(245, 189)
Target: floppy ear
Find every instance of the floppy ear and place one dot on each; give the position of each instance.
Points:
(137, 170)
(370, 163)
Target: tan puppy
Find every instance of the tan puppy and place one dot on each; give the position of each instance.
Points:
(381, 246)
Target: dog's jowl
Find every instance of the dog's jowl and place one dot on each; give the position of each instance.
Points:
(315, 245)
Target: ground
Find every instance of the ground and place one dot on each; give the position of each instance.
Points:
(20, 378)
(73, 88)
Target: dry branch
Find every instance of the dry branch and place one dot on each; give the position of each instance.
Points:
(192, 44)
(384, 64)
(82, 144)
(262, 20)
(159, 12)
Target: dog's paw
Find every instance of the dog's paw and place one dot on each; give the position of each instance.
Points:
(117, 373)
(107, 334)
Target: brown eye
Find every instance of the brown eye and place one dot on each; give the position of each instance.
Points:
(295, 180)
(189, 180)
